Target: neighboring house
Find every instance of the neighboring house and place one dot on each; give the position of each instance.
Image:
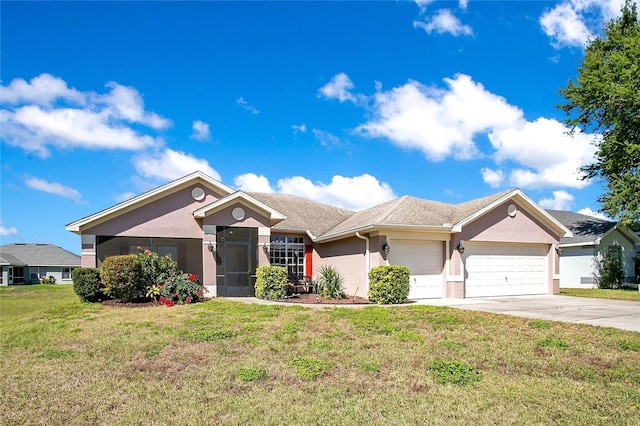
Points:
(502, 244)
(592, 239)
(28, 263)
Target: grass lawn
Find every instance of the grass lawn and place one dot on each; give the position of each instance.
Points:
(227, 363)
(626, 294)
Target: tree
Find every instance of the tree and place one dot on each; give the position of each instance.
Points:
(605, 100)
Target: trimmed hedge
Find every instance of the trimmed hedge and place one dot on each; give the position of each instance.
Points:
(87, 284)
(122, 277)
(271, 282)
(389, 284)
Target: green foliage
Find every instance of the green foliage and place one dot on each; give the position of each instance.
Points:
(609, 272)
(330, 283)
(539, 324)
(47, 280)
(389, 284)
(454, 373)
(630, 346)
(605, 101)
(552, 342)
(156, 270)
(181, 288)
(309, 368)
(210, 335)
(251, 374)
(271, 282)
(121, 277)
(87, 284)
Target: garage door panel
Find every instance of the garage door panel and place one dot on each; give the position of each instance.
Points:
(502, 270)
(425, 262)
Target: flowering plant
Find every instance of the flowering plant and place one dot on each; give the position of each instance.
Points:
(183, 288)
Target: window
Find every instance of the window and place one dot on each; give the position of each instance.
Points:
(288, 251)
(66, 273)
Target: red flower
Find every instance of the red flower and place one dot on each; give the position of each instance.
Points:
(174, 294)
(161, 300)
(187, 300)
(160, 286)
(200, 293)
(168, 302)
(193, 277)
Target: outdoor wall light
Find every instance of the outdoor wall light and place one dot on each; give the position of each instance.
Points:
(558, 249)
(265, 249)
(211, 247)
(386, 247)
(460, 247)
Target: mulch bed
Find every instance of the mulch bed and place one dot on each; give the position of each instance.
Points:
(316, 299)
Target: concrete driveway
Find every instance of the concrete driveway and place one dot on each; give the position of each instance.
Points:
(621, 314)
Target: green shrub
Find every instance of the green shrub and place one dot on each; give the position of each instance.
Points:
(271, 282)
(87, 284)
(121, 277)
(330, 283)
(156, 270)
(610, 274)
(389, 284)
(181, 288)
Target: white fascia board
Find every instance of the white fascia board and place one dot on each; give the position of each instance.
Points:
(516, 193)
(588, 243)
(125, 205)
(243, 198)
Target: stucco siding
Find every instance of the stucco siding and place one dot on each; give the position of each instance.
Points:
(252, 219)
(168, 217)
(577, 267)
(498, 226)
(348, 258)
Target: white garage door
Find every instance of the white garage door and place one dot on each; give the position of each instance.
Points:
(425, 262)
(504, 270)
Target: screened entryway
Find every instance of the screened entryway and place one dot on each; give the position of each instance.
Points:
(236, 258)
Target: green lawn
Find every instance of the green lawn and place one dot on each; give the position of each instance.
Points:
(626, 294)
(226, 363)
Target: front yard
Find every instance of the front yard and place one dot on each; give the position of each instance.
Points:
(220, 362)
(623, 294)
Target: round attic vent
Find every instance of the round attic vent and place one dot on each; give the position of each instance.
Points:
(512, 210)
(238, 213)
(197, 193)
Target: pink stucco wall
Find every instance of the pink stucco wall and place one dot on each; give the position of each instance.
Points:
(168, 217)
(223, 217)
(347, 256)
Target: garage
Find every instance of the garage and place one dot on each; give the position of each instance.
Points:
(425, 262)
(505, 270)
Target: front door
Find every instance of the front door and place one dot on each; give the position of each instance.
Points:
(237, 270)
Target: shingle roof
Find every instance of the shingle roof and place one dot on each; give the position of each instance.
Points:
(303, 214)
(38, 255)
(586, 229)
(323, 220)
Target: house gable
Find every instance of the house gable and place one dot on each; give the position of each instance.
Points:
(209, 191)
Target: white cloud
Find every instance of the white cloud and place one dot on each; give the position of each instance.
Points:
(302, 128)
(549, 155)
(170, 165)
(250, 182)
(439, 122)
(7, 232)
(326, 139)
(45, 113)
(590, 212)
(574, 22)
(244, 104)
(201, 131)
(493, 178)
(54, 188)
(354, 193)
(443, 22)
(339, 88)
(561, 200)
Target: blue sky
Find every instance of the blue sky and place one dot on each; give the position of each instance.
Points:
(347, 103)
